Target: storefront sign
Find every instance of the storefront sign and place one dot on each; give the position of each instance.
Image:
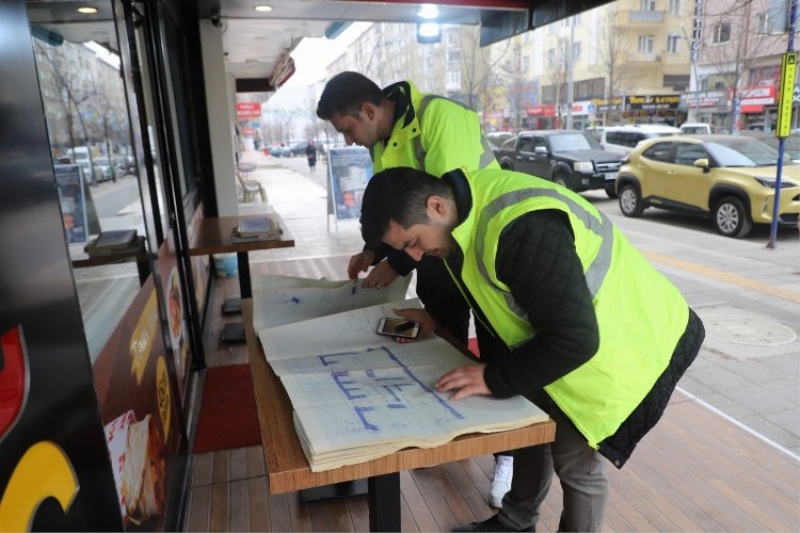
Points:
(603, 106)
(245, 110)
(719, 99)
(653, 102)
(541, 110)
(753, 99)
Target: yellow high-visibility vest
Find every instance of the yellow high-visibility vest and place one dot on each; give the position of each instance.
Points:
(640, 314)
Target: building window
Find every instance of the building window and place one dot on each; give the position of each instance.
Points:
(763, 23)
(646, 44)
(551, 57)
(576, 52)
(678, 82)
(675, 8)
(525, 63)
(672, 43)
(647, 5)
(721, 33)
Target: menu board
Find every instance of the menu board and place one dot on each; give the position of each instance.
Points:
(349, 170)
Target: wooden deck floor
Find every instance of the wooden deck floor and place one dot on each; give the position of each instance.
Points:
(695, 471)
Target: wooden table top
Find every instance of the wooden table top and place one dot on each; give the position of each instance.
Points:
(214, 236)
(287, 467)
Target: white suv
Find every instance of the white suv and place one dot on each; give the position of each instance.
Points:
(625, 138)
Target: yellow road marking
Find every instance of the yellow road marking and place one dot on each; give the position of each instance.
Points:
(741, 281)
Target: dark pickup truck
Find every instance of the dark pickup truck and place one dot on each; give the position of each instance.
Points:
(573, 159)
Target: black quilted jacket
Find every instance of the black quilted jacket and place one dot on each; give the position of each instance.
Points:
(537, 259)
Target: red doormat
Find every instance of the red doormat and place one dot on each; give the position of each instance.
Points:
(228, 416)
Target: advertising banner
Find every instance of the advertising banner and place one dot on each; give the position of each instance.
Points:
(349, 170)
(72, 196)
(140, 414)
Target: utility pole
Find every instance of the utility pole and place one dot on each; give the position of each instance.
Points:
(570, 67)
(788, 74)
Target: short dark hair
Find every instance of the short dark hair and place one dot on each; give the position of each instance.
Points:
(397, 194)
(345, 93)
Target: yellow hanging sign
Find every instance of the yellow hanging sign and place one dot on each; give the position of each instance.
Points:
(788, 74)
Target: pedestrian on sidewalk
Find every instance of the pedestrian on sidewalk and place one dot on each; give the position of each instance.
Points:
(598, 349)
(311, 154)
(403, 127)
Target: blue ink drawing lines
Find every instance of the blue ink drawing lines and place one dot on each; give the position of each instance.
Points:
(357, 396)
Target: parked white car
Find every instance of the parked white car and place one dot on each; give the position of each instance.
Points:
(696, 128)
(625, 138)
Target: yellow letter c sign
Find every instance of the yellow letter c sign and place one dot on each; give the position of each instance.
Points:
(42, 472)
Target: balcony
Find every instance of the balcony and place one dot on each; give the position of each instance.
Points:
(639, 19)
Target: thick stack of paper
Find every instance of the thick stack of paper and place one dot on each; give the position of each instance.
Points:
(358, 395)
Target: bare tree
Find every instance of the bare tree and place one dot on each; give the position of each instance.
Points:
(612, 52)
(557, 76)
(515, 80)
(71, 94)
(734, 46)
(478, 66)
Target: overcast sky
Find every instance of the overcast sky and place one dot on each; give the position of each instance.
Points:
(311, 57)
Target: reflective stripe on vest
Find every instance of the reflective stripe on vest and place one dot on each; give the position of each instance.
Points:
(487, 157)
(596, 271)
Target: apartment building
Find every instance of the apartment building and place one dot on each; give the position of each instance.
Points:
(739, 64)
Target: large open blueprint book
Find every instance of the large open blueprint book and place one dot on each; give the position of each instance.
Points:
(358, 396)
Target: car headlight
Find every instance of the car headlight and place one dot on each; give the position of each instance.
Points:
(770, 182)
(583, 166)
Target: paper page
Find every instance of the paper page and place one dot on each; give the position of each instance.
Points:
(385, 353)
(350, 331)
(279, 300)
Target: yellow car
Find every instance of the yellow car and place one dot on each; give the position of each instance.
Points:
(728, 177)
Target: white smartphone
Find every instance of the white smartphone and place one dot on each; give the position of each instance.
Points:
(398, 327)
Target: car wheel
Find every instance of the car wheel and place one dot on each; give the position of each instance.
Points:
(731, 218)
(611, 190)
(630, 201)
(563, 180)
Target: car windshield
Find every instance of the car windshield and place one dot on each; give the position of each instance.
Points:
(567, 142)
(741, 152)
(791, 145)
(102, 161)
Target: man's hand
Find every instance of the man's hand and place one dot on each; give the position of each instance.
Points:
(360, 263)
(381, 276)
(467, 379)
(421, 317)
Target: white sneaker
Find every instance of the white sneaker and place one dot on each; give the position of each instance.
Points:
(501, 482)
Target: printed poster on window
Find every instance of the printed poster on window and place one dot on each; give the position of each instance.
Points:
(349, 170)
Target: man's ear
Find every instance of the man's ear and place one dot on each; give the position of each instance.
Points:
(369, 110)
(436, 205)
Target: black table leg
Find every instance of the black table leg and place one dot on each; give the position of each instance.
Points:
(384, 502)
(234, 332)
